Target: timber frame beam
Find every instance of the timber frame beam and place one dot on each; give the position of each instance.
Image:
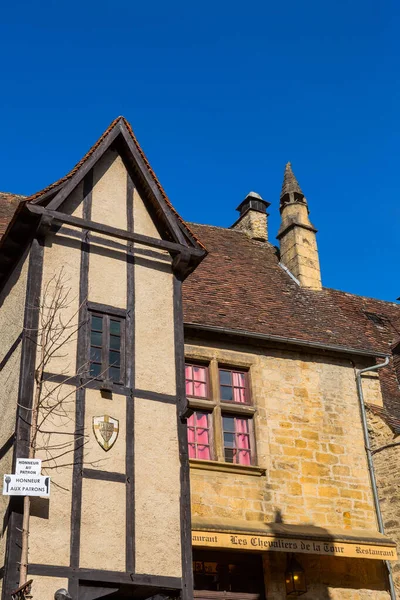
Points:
(58, 218)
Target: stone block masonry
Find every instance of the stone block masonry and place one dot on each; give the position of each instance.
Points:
(309, 440)
(387, 470)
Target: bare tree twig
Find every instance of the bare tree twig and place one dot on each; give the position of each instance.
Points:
(52, 402)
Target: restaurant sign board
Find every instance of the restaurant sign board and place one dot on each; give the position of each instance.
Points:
(270, 543)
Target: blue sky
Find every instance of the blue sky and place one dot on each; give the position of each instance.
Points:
(221, 95)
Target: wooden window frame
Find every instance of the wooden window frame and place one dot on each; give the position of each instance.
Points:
(232, 369)
(217, 409)
(252, 441)
(210, 422)
(207, 381)
(107, 314)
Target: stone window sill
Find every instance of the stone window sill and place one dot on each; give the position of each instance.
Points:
(201, 403)
(238, 409)
(223, 467)
(226, 407)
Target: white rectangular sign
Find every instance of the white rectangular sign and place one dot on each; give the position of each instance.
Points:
(28, 466)
(26, 485)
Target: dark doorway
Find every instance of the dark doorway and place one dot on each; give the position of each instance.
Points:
(104, 591)
(228, 575)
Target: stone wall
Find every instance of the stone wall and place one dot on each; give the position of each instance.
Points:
(309, 440)
(254, 224)
(298, 245)
(387, 470)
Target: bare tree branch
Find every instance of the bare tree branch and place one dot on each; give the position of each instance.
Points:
(53, 402)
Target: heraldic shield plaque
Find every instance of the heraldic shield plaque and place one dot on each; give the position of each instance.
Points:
(106, 429)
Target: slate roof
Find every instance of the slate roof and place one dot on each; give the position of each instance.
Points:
(240, 285)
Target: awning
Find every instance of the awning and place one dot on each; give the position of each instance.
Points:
(303, 539)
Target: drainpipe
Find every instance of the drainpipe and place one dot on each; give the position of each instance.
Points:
(371, 470)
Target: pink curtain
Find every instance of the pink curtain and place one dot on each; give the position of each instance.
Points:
(243, 441)
(239, 389)
(203, 449)
(191, 436)
(199, 375)
(196, 381)
(189, 380)
(198, 438)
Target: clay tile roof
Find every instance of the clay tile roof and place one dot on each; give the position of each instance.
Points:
(384, 414)
(240, 285)
(68, 176)
(290, 183)
(8, 205)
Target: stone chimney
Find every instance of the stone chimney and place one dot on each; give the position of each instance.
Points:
(298, 244)
(253, 217)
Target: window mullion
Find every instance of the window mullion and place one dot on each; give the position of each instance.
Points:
(122, 350)
(106, 347)
(216, 414)
(237, 455)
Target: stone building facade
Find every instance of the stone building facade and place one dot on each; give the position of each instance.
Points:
(260, 309)
(203, 358)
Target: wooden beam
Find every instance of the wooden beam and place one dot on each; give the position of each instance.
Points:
(185, 504)
(25, 398)
(104, 475)
(104, 576)
(172, 221)
(60, 218)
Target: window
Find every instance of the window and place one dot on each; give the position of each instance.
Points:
(236, 440)
(196, 381)
(221, 426)
(233, 386)
(225, 575)
(106, 347)
(199, 435)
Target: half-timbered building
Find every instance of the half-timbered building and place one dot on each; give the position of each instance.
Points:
(118, 518)
(215, 423)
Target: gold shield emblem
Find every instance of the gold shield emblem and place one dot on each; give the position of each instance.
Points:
(106, 429)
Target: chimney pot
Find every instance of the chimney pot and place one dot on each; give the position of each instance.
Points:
(253, 217)
(253, 201)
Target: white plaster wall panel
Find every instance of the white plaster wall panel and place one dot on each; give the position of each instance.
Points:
(49, 537)
(142, 221)
(95, 456)
(154, 331)
(62, 256)
(109, 191)
(107, 276)
(103, 525)
(157, 489)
